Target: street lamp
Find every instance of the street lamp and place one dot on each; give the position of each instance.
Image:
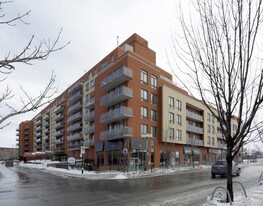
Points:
(82, 152)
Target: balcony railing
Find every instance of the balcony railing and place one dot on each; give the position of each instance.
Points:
(39, 134)
(90, 103)
(116, 78)
(46, 117)
(59, 141)
(73, 137)
(90, 129)
(192, 141)
(120, 94)
(59, 125)
(39, 122)
(117, 114)
(74, 127)
(75, 97)
(89, 142)
(38, 128)
(77, 86)
(59, 133)
(59, 108)
(75, 107)
(117, 133)
(194, 116)
(59, 117)
(74, 147)
(90, 116)
(75, 117)
(194, 129)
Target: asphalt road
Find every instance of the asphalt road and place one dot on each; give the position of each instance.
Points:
(29, 187)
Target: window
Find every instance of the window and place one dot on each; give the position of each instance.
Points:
(103, 65)
(144, 113)
(154, 131)
(171, 102)
(154, 100)
(171, 133)
(92, 84)
(179, 120)
(208, 117)
(179, 134)
(171, 118)
(154, 82)
(154, 115)
(213, 130)
(178, 105)
(144, 129)
(213, 141)
(208, 128)
(144, 95)
(112, 58)
(208, 140)
(213, 118)
(144, 77)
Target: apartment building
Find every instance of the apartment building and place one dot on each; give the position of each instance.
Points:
(126, 111)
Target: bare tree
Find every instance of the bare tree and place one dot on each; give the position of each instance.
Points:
(218, 48)
(27, 55)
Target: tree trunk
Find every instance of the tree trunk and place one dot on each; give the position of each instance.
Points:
(229, 175)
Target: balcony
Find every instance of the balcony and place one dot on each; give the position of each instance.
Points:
(74, 127)
(46, 117)
(46, 131)
(118, 77)
(75, 117)
(59, 133)
(75, 107)
(76, 97)
(89, 142)
(120, 94)
(59, 117)
(39, 122)
(59, 109)
(74, 147)
(38, 140)
(46, 123)
(59, 150)
(38, 128)
(90, 129)
(117, 133)
(90, 116)
(17, 139)
(18, 134)
(76, 136)
(116, 115)
(90, 103)
(39, 134)
(59, 125)
(77, 86)
(194, 116)
(18, 129)
(194, 129)
(45, 137)
(59, 141)
(192, 141)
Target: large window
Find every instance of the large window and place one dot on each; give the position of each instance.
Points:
(179, 134)
(144, 77)
(171, 133)
(154, 131)
(144, 129)
(154, 100)
(113, 157)
(144, 113)
(208, 128)
(178, 105)
(171, 118)
(100, 158)
(144, 95)
(171, 102)
(154, 115)
(154, 82)
(179, 120)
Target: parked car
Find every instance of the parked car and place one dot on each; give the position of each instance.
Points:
(220, 168)
(9, 163)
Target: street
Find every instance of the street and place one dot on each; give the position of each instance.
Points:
(26, 186)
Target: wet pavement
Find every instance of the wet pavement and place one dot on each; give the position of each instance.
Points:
(28, 187)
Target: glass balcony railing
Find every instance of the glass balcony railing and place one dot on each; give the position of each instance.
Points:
(90, 103)
(116, 115)
(75, 107)
(118, 95)
(74, 127)
(117, 133)
(192, 141)
(73, 137)
(90, 129)
(194, 116)
(75, 117)
(90, 116)
(116, 78)
(77, 86)
(75, 97)
(194, 129)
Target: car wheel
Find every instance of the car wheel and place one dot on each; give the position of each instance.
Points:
(213, 175)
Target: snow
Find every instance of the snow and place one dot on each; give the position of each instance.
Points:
(254, 193)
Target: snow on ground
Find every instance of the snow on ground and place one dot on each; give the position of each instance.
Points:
(255, 196)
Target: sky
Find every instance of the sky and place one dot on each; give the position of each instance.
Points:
(92, 27)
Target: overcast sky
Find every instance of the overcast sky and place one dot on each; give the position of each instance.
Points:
(92, 28)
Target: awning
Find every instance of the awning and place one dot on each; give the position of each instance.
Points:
(113, 145)
(99, 146)
(140, 144)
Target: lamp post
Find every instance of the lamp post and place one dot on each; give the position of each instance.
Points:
(82, 152)
(147, 137)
